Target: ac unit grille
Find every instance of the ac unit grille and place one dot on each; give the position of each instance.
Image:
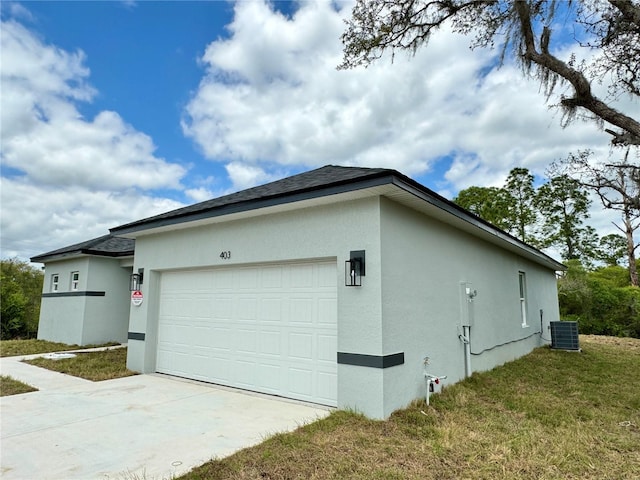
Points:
(564, 336)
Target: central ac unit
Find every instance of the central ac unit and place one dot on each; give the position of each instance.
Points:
(564, 336)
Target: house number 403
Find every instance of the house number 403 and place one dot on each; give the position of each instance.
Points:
(226, 255)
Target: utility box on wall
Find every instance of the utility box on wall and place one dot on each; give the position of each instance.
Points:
(467, 294)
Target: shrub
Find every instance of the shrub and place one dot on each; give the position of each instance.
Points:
(602, 301)
(20, 292)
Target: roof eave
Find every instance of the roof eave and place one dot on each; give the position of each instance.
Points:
(130, 230)
(460, 213)
(78, 254)
(388, 177)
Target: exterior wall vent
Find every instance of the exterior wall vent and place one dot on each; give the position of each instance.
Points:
(564, 336)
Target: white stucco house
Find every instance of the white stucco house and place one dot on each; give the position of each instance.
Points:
(85, 297)
(341, 286)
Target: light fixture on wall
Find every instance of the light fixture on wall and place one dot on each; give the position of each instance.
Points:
(354, 269)
(135, 280)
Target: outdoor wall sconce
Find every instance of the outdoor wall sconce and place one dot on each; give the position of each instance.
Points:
(354, 269)
(135, 280)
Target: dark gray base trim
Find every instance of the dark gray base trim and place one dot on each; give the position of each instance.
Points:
(74, 294)
(375, 361)
(136, 336)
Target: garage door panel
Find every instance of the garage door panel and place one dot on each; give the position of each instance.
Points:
(270, 343)
(271, 277)
(219, 369)
(246, 279)
(269, 377)
(222, 306)
(327, 312)
(300, 382)
(327, 348)
(269, 328)
(220, 338)
(270, 309)
(246, 341)
(301, 345)
(202, 307)
(303, 310)
(301, 276)
(245, 374)
(327, 386)
(246, 307)
(201, 339)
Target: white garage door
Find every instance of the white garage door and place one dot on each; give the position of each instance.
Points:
(267, 328)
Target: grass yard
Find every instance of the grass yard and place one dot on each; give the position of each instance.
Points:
(12, 348)
(11, 386)
(549, 415)
(95, 366)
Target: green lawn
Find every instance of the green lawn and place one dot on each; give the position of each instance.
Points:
(549, 415)
(95, 366)
(11, 386)
(12, 348)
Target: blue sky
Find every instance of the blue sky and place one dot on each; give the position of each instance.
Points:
(115, 111)
(143, 59)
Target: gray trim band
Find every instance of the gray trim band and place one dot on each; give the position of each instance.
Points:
(375, 361)
(88, 293)
(136, 336)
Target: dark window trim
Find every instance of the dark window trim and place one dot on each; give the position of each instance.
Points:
(75, 294)
(375, 361)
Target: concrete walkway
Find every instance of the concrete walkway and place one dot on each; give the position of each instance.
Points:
(145, 426)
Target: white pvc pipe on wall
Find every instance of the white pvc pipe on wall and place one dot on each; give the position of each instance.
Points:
(466, 335)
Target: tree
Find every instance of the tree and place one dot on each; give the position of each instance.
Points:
(601, 301)
(610, 28)
(20, 292)
(489, 203)
(617, 184)
(509, 208)
(519, 186)
(612, 249)
(564, 205)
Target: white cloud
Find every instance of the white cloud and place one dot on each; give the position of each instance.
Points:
(271, 96)
(270, 103)
(39, 218)
(18, 11)
(199, 194)
(48, 139)
(246, 176)
(71, 178)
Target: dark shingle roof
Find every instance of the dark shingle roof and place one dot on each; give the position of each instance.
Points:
(319, 179)
(322, 182)
(105, 246)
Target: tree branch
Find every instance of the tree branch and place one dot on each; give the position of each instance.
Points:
(583, 96)
(630, 11)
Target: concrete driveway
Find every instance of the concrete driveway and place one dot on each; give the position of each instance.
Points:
(146, 426)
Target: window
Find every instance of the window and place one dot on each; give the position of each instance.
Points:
(523, 298)
(75, 280)
(55, 282)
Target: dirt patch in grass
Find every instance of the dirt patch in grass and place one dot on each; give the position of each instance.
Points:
(95, 366)
(625, 342)
(551, 414)
(11, 386)
(13, 348)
